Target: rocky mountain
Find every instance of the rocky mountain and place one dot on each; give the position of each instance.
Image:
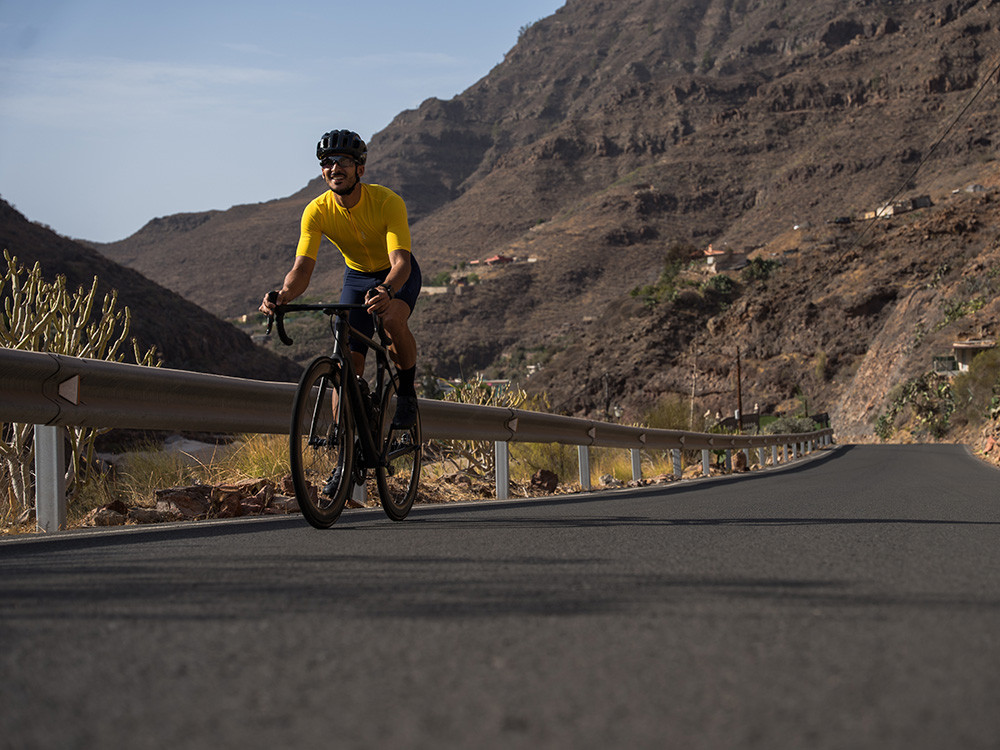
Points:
(620, 139)
(186, 336)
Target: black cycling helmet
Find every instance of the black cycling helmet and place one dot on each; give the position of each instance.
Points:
(342, 142)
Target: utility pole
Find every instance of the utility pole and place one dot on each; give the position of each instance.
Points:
(739, 393)
(694, 380)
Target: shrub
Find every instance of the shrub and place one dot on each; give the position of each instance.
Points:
(760, 269)
(559, 458)
(45, 317)
(790, 426)
(720, 284)
(924, 403)
(476, 457)
(665, 288)
(671, 411)
(976, 392)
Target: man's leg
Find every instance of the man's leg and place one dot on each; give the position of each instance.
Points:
(403, 348)
(358, 360)
(404, 353)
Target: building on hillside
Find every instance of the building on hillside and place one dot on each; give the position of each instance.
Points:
(496, 260)
(899, 207)
(726, 259)
(712, 255)
(965, 351)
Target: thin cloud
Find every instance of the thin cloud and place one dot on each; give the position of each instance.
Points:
(409, 60)
(42, 89)
(251, 49)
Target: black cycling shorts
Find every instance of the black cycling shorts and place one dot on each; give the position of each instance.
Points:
(356, 286)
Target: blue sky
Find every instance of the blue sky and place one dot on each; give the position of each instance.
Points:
(114, 112)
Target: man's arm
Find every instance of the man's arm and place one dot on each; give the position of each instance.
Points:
(399, 272)
(296, 282)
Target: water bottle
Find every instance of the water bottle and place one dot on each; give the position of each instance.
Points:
(366, 399)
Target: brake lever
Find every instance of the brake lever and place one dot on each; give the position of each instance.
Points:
(285, 338)
(272, 297)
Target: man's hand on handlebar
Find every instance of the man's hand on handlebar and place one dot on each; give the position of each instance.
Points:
(377, 298)
(271, 300)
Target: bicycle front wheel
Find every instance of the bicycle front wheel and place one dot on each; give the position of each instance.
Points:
(321, 444)
(398, 474)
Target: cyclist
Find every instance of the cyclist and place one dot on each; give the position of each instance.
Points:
(368, 224)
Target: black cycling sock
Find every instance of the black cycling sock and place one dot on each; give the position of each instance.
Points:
(406, 377)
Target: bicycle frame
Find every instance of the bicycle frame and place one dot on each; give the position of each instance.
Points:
(326, 438)
(342, 331)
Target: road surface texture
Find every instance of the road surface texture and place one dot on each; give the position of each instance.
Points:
(851, 601)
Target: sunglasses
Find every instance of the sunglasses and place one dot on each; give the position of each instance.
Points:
(344, 161)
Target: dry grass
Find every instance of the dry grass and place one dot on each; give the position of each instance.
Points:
(143, 472)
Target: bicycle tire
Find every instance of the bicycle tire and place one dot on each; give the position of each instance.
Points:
(398, 477)
(319, 443)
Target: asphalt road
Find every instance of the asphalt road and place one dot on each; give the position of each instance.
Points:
(852, 601)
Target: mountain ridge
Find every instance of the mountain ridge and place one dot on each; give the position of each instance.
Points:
(612, 132)
(186, 337)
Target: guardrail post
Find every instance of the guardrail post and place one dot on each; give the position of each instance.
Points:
(501, 463)
(359, 493)
(706, 463)
(729, 459)
(583, 451)
(774, 455)
(50, 478)
(784, 453)
(760, 457)
(675, 459)
(636, 464)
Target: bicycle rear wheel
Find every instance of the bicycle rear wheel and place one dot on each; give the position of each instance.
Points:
(321, 443)
(399, 475)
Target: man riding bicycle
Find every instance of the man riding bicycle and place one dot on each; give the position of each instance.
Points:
(368, 224)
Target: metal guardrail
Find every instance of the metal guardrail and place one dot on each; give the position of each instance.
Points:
(54, 391)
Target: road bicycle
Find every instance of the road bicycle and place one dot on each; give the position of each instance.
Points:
(342, 426)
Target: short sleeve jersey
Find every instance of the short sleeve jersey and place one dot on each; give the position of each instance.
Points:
(365, 234)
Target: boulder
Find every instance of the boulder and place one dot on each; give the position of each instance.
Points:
(150, 515)
(104, 517)
(545, 480)
(188, 502)
(608, 480)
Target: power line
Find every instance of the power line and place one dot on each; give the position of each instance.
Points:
(927, 156)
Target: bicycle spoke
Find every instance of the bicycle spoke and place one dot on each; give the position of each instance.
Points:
(399, 473)
(321, 445)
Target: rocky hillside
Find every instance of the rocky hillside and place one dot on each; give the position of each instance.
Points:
(613, 134)
(186, 336)
(827, 318)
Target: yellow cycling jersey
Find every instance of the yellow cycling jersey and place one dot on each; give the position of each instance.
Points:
(365, 234)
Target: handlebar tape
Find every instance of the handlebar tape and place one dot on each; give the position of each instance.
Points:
(272, 297)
